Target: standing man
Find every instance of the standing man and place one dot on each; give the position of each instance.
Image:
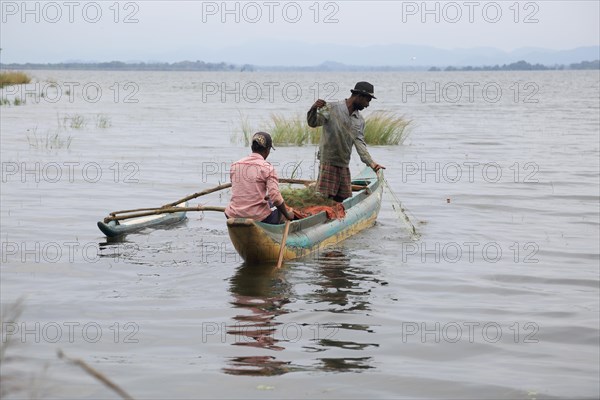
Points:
(343, 127)
(255, 186)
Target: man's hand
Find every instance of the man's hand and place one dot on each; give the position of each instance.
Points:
(289, 214)
(376, 167)
(319, 103)
(286, 211)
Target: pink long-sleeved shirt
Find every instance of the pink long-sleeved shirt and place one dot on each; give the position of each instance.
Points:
(252, 178)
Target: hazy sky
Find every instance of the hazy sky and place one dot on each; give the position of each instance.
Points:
(178, 30)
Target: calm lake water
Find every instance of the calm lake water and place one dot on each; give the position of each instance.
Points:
(497, 298)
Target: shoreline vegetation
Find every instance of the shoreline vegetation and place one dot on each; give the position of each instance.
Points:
(8, 78)
(381, 129)
(524, 66)
(324, 67)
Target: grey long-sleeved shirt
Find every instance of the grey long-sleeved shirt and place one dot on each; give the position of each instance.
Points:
(340, 131)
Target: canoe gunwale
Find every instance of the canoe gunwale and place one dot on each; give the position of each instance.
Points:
(300, 224)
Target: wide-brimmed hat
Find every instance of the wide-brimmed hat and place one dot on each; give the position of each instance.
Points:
(263, 139)
(364, 88)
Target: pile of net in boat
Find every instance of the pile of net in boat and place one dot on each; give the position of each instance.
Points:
(306, 202)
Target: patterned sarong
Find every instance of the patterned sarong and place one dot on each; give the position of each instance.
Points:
(334, 181)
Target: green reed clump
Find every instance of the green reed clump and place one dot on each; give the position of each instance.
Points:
(103, 121)
(304, 197)
(77, 121)
(13, 78)
(381, 128)
(385, 128)
(284, 131)
(292, 131)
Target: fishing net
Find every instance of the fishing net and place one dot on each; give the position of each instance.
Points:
(306, 202)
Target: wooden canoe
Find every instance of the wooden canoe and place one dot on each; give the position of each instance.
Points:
(117, 228)
(257, 242)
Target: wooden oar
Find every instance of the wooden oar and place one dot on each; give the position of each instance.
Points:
(297, 181)
(282, 245)
(400, 211)
(161, 210)
(170, 207)
(198, 194)
(111, 215)
(202, 193)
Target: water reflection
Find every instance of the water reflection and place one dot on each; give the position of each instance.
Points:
(342, 285)
(257, 366)
(118, 248)
(345, 364)
(262, 293)
(167, 247)
(344, 288)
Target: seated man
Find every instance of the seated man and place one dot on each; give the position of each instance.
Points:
(255, 186)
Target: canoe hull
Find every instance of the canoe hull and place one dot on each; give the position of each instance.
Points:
(114, 228)
(259, 243)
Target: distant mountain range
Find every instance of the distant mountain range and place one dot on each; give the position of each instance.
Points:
(332, 57)
(324, 67)
(304, 54)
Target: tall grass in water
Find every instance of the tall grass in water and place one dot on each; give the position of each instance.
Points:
(293, 131)
(77, 121)
(382, 128)
(246, 132)
(50, 142)
(385, 128)
(14, 384)
(19, 382)
(13, 78)
(16, 101)
(103, 121)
